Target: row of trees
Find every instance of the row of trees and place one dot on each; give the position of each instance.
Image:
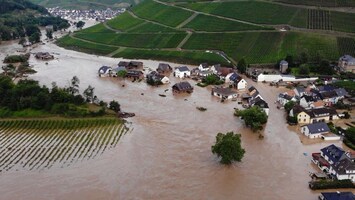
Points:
(28, 94)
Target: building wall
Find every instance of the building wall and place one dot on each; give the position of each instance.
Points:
(278, 77)
(242, 85)
(303, 118)
(179, 74)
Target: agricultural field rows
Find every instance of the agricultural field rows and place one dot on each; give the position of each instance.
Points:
(78, 45)
(183, 57)
(43, 144)
(214, 24)
(163, 14)
(147, 40)
(319, 19)
(323, 3)
(346, 46)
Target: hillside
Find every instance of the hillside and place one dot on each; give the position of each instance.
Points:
(234, 29)
(21, 18)
(85, 5)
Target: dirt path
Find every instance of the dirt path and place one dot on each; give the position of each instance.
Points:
(110, 28)
(115, 52)
(187, 20)
(184, 40)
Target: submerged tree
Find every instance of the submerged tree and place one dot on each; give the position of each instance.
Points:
(74, 85)
(89, 93)
(115, 106)
(242, 66)
(228, 147)
(254, 117)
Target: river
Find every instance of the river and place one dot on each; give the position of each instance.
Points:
(167, 153)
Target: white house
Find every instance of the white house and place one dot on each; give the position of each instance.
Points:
(347, 63)
(284, 98)
(165, 80)
(236, 80)
(105, 71)
(315, 130)
(203, 67)
(283, 66)
(182, 72)
(224, 93)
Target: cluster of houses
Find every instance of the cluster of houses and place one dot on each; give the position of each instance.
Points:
(134, 69)
(99, 15)
(253, 98)
(335, 162)
(313, 107)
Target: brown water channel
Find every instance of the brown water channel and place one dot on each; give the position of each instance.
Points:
(167, 154)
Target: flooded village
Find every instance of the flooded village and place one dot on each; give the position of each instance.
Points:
(167, 153)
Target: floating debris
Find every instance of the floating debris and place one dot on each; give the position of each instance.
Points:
(162, 95)
(201, 108)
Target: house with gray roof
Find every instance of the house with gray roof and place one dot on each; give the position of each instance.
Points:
(315, 130)
(336, 196)
(182, 72)
(182, 87)
(105, 71)
(224, 93)
(164, 68)
(347, 63)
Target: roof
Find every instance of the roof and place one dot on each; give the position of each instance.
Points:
(283, 62)
(333, 152)
(317, 128)
(183, 86)
(104, 69)
(300, 89)
(182, 68)
(326, 88)
(164, 67)
(344, 165)
(235, 77)
(341, 92)
(204, 65)
(328, 94)
(252, 88)
(338, 195)
(136, 63)
(317, 112)
(347, 58)
(318, 104)
(123, 64)
(285, 96)
(224, 91)
(259, 102)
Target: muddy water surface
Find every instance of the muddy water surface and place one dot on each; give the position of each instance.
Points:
(167, 154)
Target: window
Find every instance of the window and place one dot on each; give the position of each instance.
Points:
(304, 120)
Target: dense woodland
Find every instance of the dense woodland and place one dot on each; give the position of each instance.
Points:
(22, 18)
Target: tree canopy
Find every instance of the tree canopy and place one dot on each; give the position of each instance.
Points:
(254, 117)
(228, 147)
(242, 66)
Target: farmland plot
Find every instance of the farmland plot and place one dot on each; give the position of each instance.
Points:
(42, 144)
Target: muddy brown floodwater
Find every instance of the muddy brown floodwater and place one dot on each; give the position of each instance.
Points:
(167, 154)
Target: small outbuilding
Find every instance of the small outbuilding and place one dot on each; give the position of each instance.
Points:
(105, 71)
(182, 72)
(224, 93)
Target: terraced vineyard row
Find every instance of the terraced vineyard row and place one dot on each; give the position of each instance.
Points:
(319, 19)
(346, 46)
(42, 144)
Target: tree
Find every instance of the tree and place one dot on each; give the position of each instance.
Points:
(254, 117)
(74, 85)
(22, 41)
(35, 37)
(89, 94)
(228, 147)
(49, 34)
(289, 60)
(288, 106)
(115, 106)
(80, 24)
(304, 70)
(122, 73)
(242, 66)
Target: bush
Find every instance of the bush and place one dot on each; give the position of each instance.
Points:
(326, 184)
(16, 58)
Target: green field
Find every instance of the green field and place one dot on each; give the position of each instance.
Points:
(183, 57)
(39, 144)
(78, 45)
(163, 14)
(214, 24)
(251, 11)
(137, 40)
(325, 3)
(241, 29)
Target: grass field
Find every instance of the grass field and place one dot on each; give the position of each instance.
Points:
(75, 44)
(251, 11)
(344, 22)
(148, 40)
(39, 144)
(346, 46)
(214, 24)
(325, 3)
(98, 28)
(163, 14)
(183, 57)
(124, 21)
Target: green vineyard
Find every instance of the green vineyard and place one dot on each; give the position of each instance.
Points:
(319, 19)
(43, 144)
